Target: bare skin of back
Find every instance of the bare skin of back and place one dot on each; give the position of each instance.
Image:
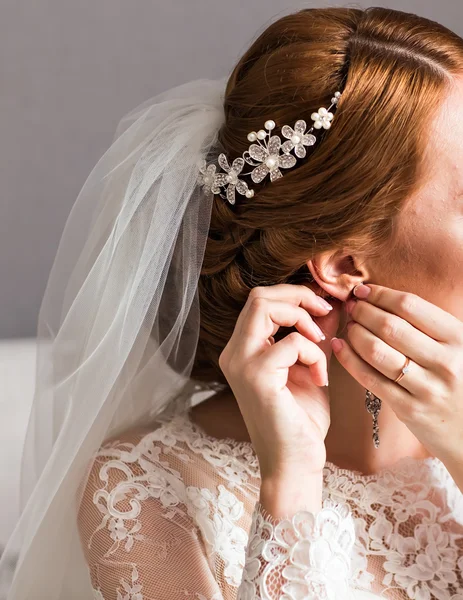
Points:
(220, 417)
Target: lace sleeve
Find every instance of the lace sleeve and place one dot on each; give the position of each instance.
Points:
(304, 556)
(139, 540)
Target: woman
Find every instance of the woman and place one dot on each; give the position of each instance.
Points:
(272, 487)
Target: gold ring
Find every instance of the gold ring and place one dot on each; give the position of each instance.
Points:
(405, 369)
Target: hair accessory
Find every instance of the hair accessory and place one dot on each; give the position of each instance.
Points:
(265, 157)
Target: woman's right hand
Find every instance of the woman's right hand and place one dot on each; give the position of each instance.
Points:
(280, 386)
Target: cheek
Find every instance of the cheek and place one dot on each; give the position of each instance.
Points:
(426, 261)
(440, 262)
(447, 258)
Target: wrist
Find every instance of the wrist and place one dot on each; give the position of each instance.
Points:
(284, 495)
(307, 464)
(454, 465)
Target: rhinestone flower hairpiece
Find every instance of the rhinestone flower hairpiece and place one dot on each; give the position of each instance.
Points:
(264, 157)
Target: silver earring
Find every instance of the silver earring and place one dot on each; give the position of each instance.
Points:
(373, 405)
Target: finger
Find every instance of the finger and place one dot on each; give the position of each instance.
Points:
(386, 359)
(264, 318)
(286, 352)
(425, 316)
(330, 325)
(368, 377)
(299, 374)
(397, 333)
(299, 295)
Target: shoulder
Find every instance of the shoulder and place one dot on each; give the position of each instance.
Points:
(133, 484)
(136, 516)
(135, 456)
(164, 460)
(114, 461)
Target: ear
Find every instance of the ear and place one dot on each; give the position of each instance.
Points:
(337, 273)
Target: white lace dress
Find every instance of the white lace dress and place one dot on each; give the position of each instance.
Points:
(171, 513)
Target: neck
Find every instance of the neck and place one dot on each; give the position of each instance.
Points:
(349, 442)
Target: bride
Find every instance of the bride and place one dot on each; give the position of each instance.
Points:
(287, 242)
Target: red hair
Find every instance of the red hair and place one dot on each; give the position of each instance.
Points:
(393, 69)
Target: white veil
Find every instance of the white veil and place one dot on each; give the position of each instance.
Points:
(118, 325)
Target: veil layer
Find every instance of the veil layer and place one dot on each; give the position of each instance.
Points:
(118, 324)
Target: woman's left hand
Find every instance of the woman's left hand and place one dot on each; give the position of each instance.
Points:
(389, 325)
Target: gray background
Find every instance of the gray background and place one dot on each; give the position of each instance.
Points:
(70, 71)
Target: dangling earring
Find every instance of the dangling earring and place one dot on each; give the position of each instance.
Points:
(373, 406)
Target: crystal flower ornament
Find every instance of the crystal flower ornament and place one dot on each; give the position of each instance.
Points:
(266, 156)
(323, 117)
(213, 181)
(297, 138)
(231, 177)
(207, 175)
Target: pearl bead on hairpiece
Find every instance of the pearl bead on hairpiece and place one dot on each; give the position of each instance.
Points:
(265, 157)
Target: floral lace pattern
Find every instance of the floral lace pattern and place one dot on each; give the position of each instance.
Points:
(175, 489)
(408, 518)
(306, 556)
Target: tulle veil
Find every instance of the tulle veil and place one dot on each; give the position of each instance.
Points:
(118, 324)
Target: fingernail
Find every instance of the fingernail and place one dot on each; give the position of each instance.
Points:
(318, 330)
(336, 344)
(324, 304)
(361, 290)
